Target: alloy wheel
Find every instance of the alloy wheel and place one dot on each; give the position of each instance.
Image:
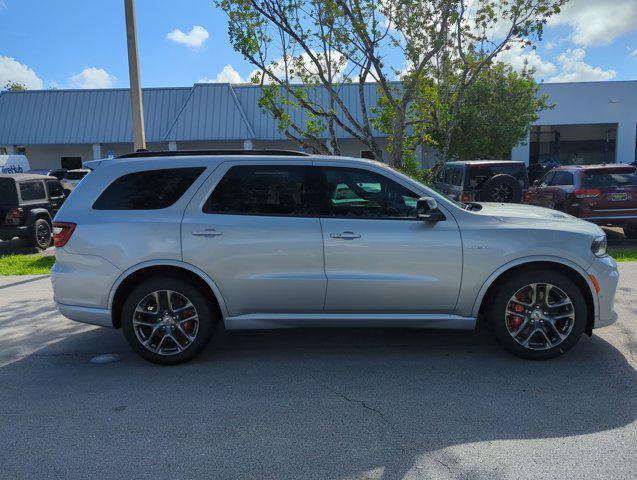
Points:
(502, 193)
(165, 322)
(43, 235)
(539, 316)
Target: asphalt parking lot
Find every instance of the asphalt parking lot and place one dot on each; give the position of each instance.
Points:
(311, 404)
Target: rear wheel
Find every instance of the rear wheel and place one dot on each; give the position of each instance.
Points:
(167, 320)
(538, 314)
(41, 234)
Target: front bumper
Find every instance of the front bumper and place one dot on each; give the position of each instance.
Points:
(605, 272)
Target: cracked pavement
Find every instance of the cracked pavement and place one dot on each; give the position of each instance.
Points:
(331, 404)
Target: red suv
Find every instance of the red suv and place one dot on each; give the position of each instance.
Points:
(602, 194)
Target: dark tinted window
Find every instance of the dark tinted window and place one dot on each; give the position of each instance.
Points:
(457, 177)
(32, 191)
(55, 189)
(149, 190)
(266, 190)
(8, 192)
(547, 179)
(478, 174)
(75, 175)
(608, 179)
(360, 193)
(562, 178)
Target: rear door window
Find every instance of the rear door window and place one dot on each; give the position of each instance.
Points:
(562, 178)
(55, 189)
(30, 191)
(266, 190)
(148, 190)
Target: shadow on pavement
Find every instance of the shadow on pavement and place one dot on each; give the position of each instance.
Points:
(300, 404)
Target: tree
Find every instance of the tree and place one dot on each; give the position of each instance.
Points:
(304, 50)
(495, 115)
(14, 87)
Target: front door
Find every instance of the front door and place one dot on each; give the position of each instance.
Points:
(378, 257)
(250, 229)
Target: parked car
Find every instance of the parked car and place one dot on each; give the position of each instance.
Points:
(483, 181)
(602, 194)
(72, 178)
(27, 204)
(57, 173)
(166, 248)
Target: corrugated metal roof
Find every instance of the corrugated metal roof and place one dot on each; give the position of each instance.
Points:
(203, 112)
(84, 116)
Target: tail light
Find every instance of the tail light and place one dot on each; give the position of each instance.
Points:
(14, 217)
(587, 192)
(527, 196)
(62, 232)
(465, 197)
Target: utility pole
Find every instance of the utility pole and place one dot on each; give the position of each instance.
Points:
(139, 137)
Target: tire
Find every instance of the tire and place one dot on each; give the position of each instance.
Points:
(502, 189)
(631, 232)
(554, 342)
(183, 291)
(41, 236)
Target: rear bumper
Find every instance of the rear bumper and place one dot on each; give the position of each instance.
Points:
(94, 316)
(7, 232)
(605, 272)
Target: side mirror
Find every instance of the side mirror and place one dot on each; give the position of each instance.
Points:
(427, 210)
(536, 183)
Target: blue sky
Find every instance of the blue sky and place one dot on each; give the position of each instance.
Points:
(81, 43)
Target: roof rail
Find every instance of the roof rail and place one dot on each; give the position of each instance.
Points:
(186, 153)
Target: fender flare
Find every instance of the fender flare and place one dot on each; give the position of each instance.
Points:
(36, 213)
(531, 259)
(169, 263)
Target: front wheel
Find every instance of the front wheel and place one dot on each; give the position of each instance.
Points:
(168, 320)
(538, 314)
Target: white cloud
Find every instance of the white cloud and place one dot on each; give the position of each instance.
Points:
(633, 53)
(92, 77)
(520, 58)
(195, 38)
(13, 71)
(3, 5)
(598, 22)
(227, 75)
(575, 69)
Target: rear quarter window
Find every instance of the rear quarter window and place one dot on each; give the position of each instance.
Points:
(32, 191)
(147, 190)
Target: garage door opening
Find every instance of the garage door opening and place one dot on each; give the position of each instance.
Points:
(573, 144)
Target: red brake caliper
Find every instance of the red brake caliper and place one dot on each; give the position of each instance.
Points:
(516, 321)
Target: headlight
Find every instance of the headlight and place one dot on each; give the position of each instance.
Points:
(599, 246)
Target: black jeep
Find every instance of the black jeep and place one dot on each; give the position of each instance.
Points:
(483, 181)
(27, 205)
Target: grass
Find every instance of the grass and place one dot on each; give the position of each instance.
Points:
(623, 254)
(25, 264)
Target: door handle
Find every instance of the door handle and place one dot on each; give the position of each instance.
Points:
(208, 232)
(345, 235)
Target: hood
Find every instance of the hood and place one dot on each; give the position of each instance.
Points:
(528, 215)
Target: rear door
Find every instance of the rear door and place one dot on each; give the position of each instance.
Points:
(252, 228)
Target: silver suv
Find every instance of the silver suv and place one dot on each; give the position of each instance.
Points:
(168, 245)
